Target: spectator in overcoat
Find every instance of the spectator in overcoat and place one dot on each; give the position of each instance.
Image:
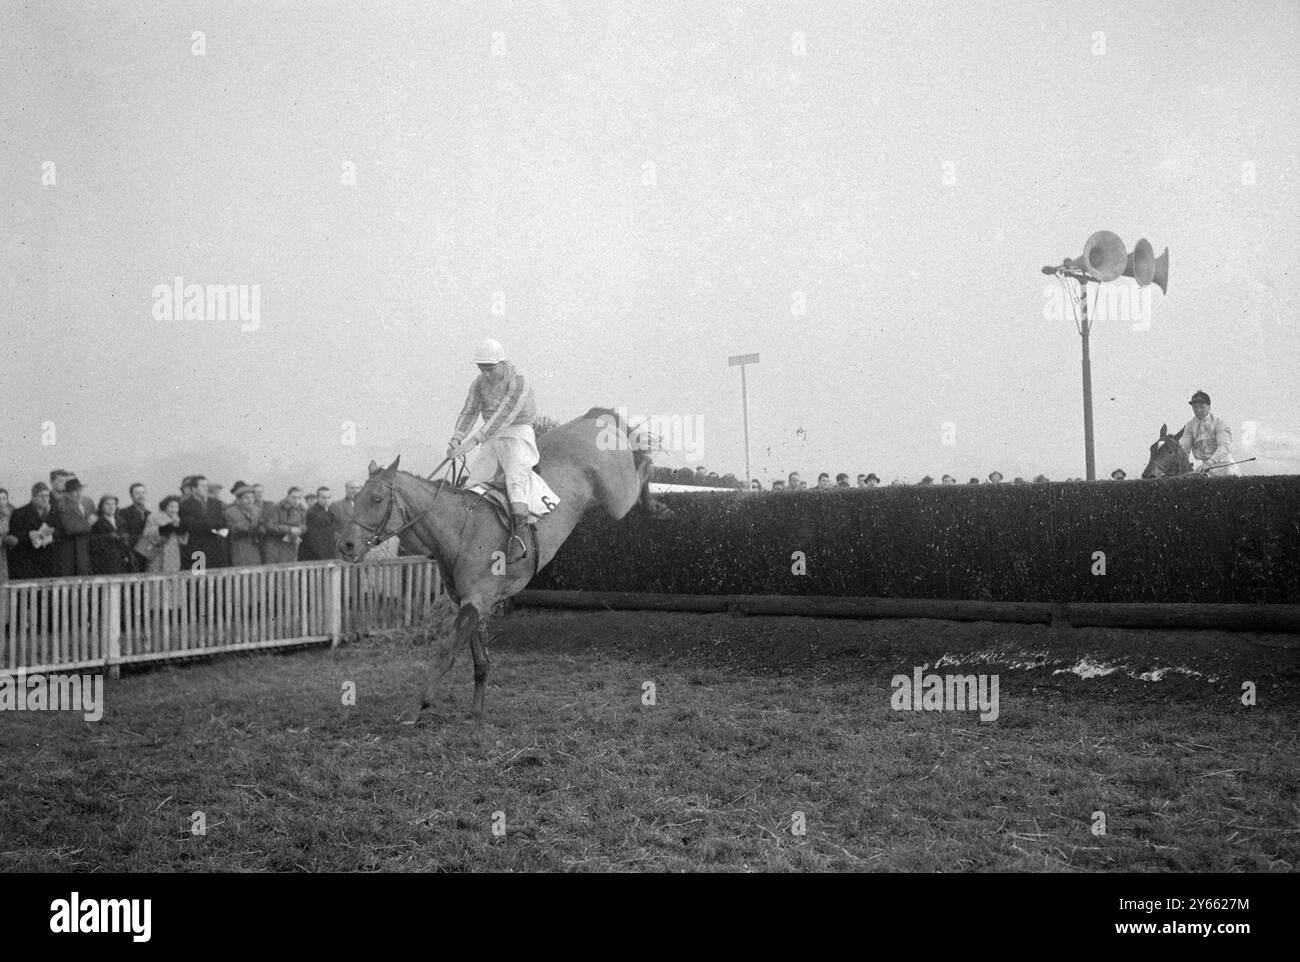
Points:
(110, 544)
(321, 542)
(72, 523)
(215, 515)
(32, 553)
(283, 525)
(131, 520)
(344, 508)
(244, 519)
(195, 523)
(59, 479)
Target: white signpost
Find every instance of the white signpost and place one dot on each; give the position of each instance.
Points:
(741, 360)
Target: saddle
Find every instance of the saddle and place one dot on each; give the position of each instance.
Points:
(500, 502)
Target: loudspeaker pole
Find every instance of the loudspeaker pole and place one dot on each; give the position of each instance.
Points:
(1104, 259)
(1090, 461)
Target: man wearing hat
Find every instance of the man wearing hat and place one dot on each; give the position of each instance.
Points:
(995, 476)
(59, 478)
(1118, 475)
(505, 401)
(948, 479)
(872, 481)
(244, 520)
(32, 553)
(1207, 439)
(72, 523)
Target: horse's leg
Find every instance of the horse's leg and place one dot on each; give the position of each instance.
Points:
(478, 645)
(444, 656)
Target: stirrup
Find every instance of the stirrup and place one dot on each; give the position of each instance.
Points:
(523, 549)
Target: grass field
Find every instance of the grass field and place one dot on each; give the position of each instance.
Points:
(756, 719)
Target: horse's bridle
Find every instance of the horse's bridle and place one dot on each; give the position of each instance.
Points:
(377, 535)
(1162, 472)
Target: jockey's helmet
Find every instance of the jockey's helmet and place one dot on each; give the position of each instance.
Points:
(489, 352)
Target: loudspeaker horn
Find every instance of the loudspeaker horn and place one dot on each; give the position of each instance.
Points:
(1104, 257)
(1141, 263)
(1161, 276)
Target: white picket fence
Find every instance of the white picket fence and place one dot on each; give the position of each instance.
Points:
(60, 624)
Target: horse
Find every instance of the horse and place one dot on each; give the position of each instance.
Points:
(593, 459)
(1168, 459)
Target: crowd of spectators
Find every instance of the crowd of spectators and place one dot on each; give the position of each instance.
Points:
(702, 477)
(61, 532)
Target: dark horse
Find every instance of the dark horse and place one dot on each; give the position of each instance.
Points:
(1168, 459)
(594, 459)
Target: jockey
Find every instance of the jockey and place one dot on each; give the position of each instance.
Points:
(1207, 438)
(505, 400)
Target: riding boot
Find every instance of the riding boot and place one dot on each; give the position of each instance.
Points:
(517, 549)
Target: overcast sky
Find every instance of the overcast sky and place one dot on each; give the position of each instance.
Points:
(625, 194)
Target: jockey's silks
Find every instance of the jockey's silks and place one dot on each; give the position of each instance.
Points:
(1208, 440)
(505, 404)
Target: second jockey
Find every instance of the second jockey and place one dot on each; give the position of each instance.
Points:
(1207, 438)
(509, 447)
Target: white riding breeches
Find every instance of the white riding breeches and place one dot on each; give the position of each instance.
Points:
(512, 453)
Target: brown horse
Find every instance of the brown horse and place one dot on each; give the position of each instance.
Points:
(594, 459)
(1168, 459)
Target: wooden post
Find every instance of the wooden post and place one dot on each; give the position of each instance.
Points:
(114, 652)
(335, 604)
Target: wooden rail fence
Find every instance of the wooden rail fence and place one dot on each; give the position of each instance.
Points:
(60, 624)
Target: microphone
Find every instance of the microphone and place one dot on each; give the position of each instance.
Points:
(1050, 270)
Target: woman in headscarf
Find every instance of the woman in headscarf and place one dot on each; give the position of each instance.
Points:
(109, 552)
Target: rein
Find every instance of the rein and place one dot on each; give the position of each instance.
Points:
(377, 534)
